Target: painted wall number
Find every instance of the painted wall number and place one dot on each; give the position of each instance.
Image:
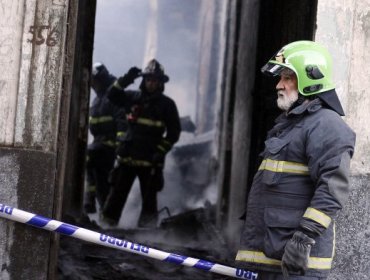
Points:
(38, 33)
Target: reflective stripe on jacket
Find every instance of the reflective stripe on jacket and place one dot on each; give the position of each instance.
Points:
(105, 120)
(153, 125)
(301, 182)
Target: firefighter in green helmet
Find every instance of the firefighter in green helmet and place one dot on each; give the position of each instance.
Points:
(303, 179)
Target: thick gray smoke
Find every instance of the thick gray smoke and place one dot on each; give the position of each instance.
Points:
(124, 38)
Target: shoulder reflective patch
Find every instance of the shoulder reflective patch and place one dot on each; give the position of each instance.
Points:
(284, 166)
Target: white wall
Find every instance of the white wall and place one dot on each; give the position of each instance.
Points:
(344, 28)
(32, 49)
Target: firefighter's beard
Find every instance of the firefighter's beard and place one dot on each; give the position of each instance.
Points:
(285, 100)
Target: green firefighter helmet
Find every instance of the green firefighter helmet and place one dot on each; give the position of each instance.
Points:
(310, 61)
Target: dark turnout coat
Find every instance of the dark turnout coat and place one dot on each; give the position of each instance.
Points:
(153, 125)
(105, 119)
(301, 182)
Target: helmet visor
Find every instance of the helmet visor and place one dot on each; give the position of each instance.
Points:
(272, 69)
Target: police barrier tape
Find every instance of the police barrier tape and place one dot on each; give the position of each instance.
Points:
(28, 218)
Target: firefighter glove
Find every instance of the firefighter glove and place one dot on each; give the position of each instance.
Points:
(133, 73)
(296, 254)
(129, 77)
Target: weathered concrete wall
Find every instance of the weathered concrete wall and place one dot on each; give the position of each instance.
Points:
(352, 259)
(344, 27)
(31, 67)
(31, 58)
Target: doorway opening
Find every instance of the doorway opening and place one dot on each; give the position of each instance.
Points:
(191, 39)
(185, 37)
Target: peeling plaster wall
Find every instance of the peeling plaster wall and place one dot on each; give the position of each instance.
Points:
(31, 56)
(344, 27)
(32, 46)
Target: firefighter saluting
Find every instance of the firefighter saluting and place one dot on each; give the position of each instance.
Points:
(153, 128)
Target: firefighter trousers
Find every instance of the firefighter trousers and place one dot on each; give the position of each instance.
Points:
(264, 275)
(99, 164)
(122, 179)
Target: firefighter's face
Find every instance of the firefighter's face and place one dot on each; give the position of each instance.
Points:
(152, 84)
(287, 90)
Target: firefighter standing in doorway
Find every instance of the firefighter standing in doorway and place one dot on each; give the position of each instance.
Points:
(153, 128)
(302, 181)
(106, 124)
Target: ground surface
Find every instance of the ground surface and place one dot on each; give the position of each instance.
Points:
(189, 235)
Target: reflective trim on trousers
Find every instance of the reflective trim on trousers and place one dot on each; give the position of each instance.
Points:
(134, 162)
(259, 257)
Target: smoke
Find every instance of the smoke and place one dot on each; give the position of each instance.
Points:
(120, 34)
(130, 33)
(127, 33)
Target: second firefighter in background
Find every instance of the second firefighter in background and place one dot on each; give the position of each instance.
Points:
(153, 128)
(107, 123)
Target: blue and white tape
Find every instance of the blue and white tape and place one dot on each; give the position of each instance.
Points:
(24, 217)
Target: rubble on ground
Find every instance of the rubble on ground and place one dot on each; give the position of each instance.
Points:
(191, 234)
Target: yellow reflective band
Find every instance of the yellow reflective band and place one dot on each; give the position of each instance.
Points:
(259, 257)
(121, 133)
(284, 166)
(149, 122)
(319, 263)
(255, 257)
(109, 143)
(91, 188)
(334, 240)
(165, 144)
(117, 85)
(134, 162)
(102, 119)
(317, 216)
(161, 148)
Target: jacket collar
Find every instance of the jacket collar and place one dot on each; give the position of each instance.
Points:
(328, 99)
(311, 106)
